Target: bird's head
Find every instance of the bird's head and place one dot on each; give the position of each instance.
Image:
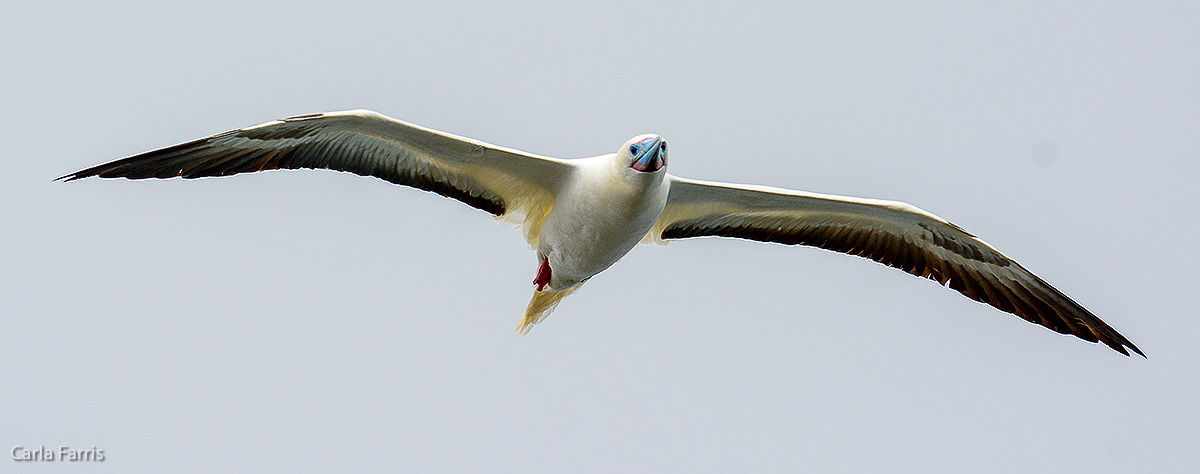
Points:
(644, 153)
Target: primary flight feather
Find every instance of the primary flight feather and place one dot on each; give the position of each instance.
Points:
(582, 215)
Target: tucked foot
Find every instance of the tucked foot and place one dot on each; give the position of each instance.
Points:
(543, 275)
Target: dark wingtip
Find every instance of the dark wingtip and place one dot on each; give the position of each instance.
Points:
(1119, 342)
(1121, 345)
(104, 171)
(79, 174)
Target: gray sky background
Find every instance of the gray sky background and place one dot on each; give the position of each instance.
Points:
(319, 321)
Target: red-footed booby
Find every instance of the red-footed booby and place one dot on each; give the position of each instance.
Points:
(582, 215)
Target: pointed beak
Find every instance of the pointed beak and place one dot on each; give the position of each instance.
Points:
(652, 159)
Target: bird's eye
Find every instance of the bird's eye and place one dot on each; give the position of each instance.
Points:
(663, 147)
(633, 150)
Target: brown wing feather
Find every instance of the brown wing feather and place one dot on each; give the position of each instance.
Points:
(893, 234)
(359, 142)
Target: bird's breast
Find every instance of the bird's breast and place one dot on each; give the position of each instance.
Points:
(594, 225)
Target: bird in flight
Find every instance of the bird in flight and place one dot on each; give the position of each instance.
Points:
(582, 215)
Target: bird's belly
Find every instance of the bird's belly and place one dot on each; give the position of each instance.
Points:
(583, 243)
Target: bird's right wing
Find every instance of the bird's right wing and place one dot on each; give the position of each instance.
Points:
(505, 182)
(889, 232)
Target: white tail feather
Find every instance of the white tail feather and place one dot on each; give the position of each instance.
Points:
(541, 305)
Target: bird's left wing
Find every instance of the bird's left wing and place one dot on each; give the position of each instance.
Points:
(893, 233)
(504, 182)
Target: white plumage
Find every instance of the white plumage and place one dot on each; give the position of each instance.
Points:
(583, 215)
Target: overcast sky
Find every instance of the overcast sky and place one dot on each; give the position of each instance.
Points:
(318, 321)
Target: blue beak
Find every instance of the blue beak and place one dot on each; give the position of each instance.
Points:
(653, 158)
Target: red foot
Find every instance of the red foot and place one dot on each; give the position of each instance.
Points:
(543, 276)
